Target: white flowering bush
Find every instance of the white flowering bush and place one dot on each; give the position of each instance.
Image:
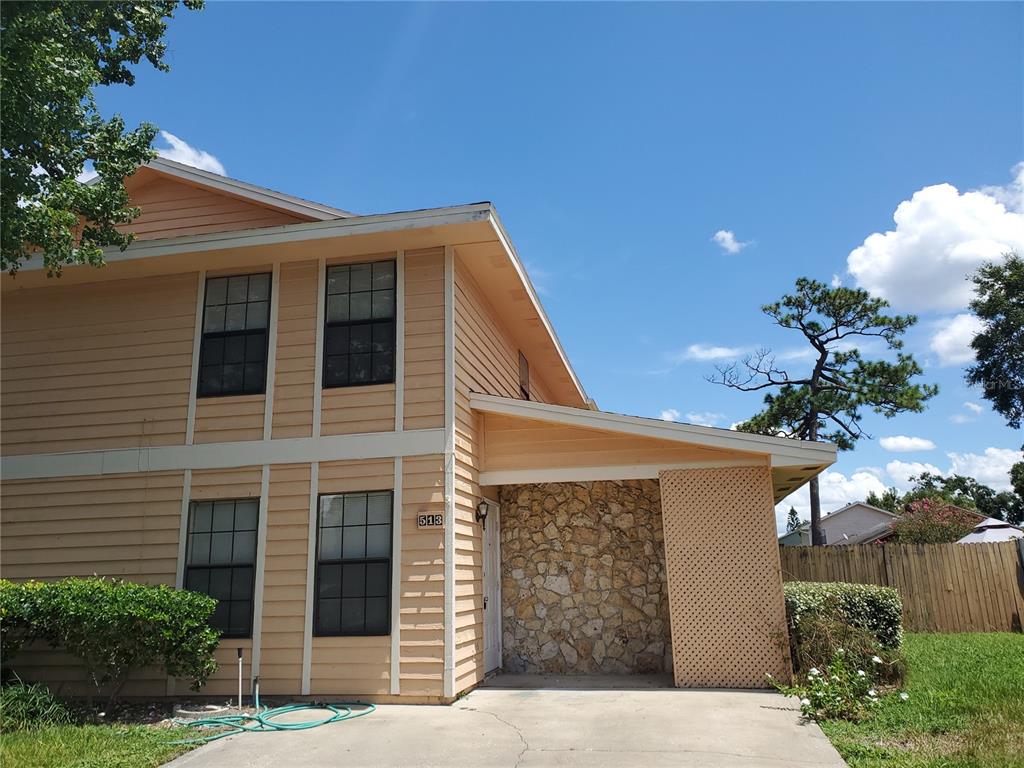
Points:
(838, 691)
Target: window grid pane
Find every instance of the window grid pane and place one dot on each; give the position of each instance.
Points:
(220, 560)
(236, 316)
(359, 334)
(353, 575)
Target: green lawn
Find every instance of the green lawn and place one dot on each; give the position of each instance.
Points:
(966, 708)
(91, 746)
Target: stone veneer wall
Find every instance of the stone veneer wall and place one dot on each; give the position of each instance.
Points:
(583, 578)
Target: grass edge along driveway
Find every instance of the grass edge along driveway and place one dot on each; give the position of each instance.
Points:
(92, 746)
(966, 708)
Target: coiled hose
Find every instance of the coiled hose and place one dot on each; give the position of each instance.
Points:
(263, 719)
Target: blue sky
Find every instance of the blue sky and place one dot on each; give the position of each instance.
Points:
(617, 139)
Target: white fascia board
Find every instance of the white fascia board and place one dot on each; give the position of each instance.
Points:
(252, 192)
(289, 233)
(296, 450)
(784, 452)
(613, 472)
(517, 264)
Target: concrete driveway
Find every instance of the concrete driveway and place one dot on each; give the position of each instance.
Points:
(525, 728)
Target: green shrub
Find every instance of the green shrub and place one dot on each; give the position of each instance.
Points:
(879, 610)
(27, 707)
(113, 627)
(815, 641)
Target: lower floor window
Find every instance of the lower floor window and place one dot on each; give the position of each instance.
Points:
(353, 570)
(220, 560)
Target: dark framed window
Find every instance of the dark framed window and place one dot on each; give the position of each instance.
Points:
(220, 560)
(233, 355)
(359, 325)
(353, 567)
(524, 377)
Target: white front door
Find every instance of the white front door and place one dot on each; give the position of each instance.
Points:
(492, 589)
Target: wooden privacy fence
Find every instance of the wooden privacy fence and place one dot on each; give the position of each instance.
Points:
(945, 587)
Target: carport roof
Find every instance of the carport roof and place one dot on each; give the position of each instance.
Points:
(793, 462)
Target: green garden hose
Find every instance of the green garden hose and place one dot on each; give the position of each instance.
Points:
(263, 719)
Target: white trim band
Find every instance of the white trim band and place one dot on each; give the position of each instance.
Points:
(294, 450)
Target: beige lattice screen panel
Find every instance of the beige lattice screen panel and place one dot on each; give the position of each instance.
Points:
(724, 580)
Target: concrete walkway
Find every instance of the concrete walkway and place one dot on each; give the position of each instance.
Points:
(526, 728)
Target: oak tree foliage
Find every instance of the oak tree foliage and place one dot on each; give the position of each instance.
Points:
(52, 56)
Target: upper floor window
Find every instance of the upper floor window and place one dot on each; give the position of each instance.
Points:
(233, 356)
(524, 377)
(359, 338)
(353, 568)
(220, 560)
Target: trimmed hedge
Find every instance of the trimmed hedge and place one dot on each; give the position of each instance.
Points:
(879, 610)
(112, 626)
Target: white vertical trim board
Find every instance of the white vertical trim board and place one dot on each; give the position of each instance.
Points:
(275, 299)
(186, 493)
(197, 343)
(318, 366)
(261, 559)
(307, 629)
(179, 570)
(396, 582)
(449, 471)
(400, 341)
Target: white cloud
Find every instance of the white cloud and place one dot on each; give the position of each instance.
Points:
(952, 342)
(902, 471)
(708, 352)
(704, 418)
(974, 407)
(992, 468)
(836, 281)
(87, 174)
(670, 414)
(960, 418)
(941, 236)
(182, 152)
(905, 444)
(728, 242)
(836, 489)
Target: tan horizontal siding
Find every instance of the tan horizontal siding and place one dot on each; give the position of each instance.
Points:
(173, 208)
(103, 365)
(515, 443)
(284, 579)
(48, 527)
(126, 526)
(487, 354)
(424, 339)
(355, 410)
(422, 579)
(229, 419)
(296, 350)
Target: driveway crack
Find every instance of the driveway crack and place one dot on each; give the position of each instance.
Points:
(513, 726)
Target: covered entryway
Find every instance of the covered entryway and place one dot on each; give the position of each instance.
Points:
(637, 546)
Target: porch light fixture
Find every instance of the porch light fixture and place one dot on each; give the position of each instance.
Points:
(481, 513)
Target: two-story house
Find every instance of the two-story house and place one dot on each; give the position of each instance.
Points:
(362, 436)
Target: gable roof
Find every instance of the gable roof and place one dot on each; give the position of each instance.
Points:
(241, 189)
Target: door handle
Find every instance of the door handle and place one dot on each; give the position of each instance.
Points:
(485, 602)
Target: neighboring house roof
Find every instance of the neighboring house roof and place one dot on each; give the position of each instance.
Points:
(793, 462)
(880, 531)
(992, 529)
(841, 510)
